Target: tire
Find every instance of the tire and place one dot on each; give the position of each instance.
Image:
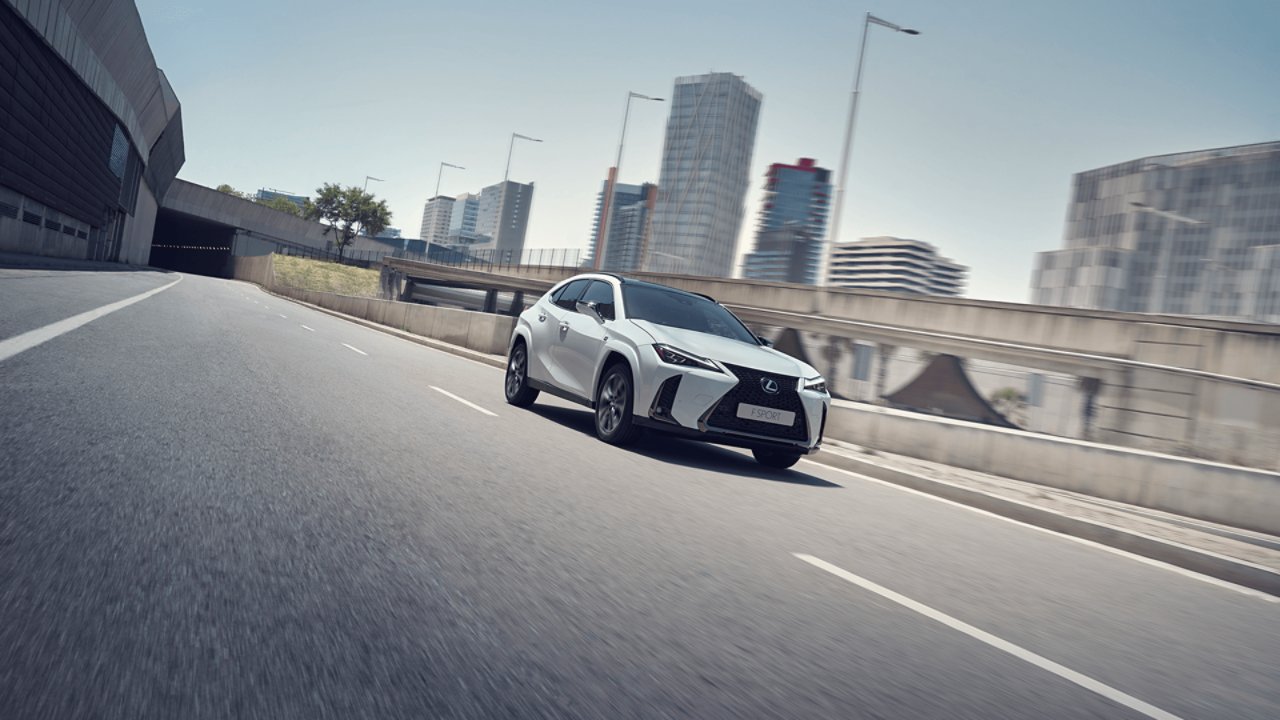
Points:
(776, 458)
(516, 384)
(614, 421)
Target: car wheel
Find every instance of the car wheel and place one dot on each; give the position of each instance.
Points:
(614, 422)
(776, 458)
(517, 383)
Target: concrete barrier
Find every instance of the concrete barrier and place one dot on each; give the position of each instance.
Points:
(1237, 496)
(482, 332)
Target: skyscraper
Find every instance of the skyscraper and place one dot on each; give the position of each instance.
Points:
(435, 219)
(702, 189)
(792, 222)
(503, 216)
(1191, 233)
(633, 209)
(463, 220)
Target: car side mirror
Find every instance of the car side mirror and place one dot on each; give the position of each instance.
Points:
(764, 341)
(589, 309)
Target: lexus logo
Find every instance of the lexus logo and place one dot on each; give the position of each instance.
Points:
(769, 385)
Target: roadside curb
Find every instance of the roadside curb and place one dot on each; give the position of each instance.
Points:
(1214, 565)
(490, 360)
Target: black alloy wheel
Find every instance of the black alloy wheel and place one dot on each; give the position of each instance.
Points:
(517, 383)
(614, 422)
(781, 459)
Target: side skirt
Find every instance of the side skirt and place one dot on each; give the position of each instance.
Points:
(563, 394)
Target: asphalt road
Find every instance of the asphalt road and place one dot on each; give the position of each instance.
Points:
(217, 503)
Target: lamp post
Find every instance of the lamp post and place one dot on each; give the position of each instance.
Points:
(512, 147)
(367, 178)
(848, 139)
(440, 174)
(602, 239)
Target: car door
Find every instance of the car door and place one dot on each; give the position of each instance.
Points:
(548, 325)
(582, 342)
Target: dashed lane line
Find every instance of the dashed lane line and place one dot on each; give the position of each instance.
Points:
(354, 348)
(464, 402)
(304, 327)
(283, 316)
(1044, 663)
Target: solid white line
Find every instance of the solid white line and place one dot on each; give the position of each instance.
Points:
(1066, 673)
(304, 327)
(1098, 546)
(32, 338)
(356, 349)
(464, 402)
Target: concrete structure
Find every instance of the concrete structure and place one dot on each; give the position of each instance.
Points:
(92, 131)
(435, 219)
(889, 263)
(789, 254)
(702, 189)
(1191, 233)
(632, 214)
(1185, 386)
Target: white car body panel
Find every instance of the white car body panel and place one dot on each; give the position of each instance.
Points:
(568, 351)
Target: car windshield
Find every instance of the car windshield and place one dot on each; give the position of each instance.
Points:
(672, 308)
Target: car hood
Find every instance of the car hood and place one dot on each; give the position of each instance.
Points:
(727, 350)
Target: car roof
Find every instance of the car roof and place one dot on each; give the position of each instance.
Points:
(595, 274)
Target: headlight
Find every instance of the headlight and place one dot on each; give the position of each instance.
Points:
(818, 384)
(676, 356)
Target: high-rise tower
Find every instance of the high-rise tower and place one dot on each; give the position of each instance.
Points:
(706, 162)
(792, 222)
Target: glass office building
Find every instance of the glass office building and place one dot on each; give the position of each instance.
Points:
(1191, 233)
(633, 205)
(796, 199)
(702, 189)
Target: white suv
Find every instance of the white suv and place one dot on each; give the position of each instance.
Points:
(649, 356)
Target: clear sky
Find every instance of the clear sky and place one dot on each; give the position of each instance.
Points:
(967, 134)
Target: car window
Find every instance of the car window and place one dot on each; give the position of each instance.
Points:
(568, 295)
(600, 293)
(661, 306)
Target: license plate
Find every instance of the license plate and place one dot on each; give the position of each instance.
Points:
(764, 414)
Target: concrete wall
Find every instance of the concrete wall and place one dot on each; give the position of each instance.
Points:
(1235, 496)
(482, 332)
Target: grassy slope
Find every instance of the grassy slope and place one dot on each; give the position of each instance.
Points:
(307, 274)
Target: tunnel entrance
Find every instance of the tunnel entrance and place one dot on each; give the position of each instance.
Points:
(191, 245)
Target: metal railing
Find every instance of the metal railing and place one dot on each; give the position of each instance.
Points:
(489, 259)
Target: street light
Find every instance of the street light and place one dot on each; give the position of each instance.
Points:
(440, 174)
(513, 145)
(602, 240)
(848, 138)
(367, 178)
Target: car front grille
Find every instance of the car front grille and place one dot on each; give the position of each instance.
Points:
(748, 390)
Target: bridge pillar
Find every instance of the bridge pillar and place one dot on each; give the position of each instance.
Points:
(406, 295)
(490, 301)
(517, 304)
(885, 351)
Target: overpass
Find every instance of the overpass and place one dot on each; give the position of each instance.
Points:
(1188, 386)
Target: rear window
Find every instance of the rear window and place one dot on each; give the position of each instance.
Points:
(682, 310)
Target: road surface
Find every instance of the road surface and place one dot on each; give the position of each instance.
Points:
(218, 503)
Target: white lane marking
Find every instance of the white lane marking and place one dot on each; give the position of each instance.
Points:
(464, 402)
(32, 338)
(1066, 673)
(283, 316)
(304, 327)
(356, 349)
(1097, 546)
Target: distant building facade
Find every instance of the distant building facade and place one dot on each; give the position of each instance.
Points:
(1191, 233)
(298, 200)
(463, 220)
(632, 213)
(793, 220)
(435, 219)
(706, 161)
(897, 264)
(502, 217)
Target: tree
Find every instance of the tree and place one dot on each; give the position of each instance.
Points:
(283, 204)
(347, 212)
(225, 188)
(1011, 404)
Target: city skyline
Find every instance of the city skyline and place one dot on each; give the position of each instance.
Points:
(954, 141)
